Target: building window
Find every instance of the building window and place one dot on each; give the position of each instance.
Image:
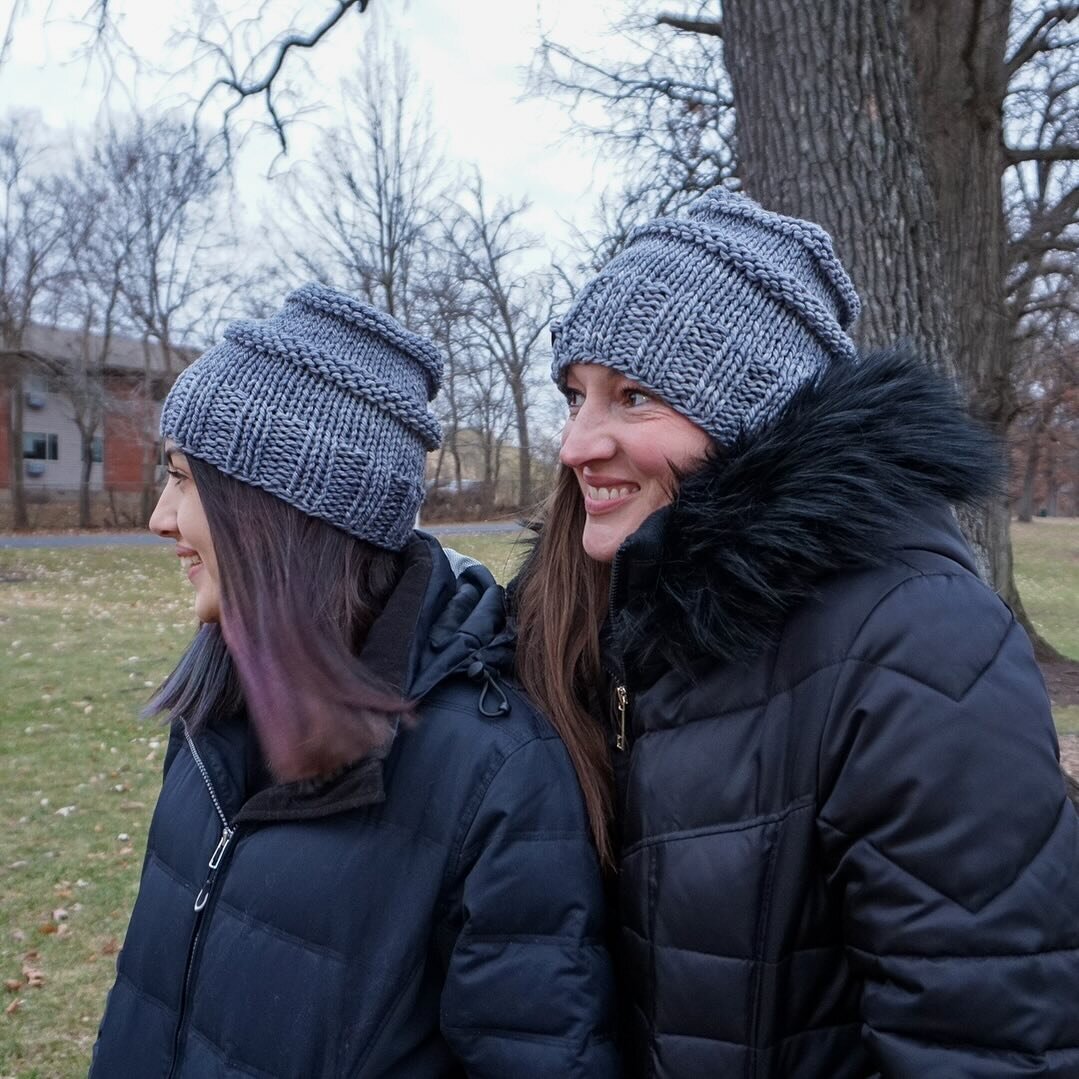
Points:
(39, 447)
(97, 449)
(39, 382)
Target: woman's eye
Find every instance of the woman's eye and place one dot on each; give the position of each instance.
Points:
(175, 474)
(574, 400)
(635, 398)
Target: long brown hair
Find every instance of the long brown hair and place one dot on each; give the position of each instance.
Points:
(297, 599)
(561, 600)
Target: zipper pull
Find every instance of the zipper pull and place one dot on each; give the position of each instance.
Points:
(215, 861)
(623, 700)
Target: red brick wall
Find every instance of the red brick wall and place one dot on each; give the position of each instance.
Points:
(126, 444)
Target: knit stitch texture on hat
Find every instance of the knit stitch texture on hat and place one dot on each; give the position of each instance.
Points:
(323, 405)
(724, 312)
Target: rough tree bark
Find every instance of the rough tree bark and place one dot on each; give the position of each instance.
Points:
(959, 53)
(826, 121)
(882, 121)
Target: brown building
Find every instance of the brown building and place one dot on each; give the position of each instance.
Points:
(130, 386)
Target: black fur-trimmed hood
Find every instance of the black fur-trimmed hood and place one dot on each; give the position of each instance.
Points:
(856, 457)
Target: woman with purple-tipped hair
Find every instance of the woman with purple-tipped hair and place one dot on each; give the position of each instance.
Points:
(370, 856)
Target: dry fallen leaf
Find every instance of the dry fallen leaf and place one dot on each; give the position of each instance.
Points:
(110, 947)
(47, 928)
(12, 985)
(35, 978)
(13, 1007)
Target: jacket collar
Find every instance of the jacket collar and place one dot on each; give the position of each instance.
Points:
(861, 462)
(435, 623)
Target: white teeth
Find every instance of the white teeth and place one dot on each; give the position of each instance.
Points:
(189, 560)
(605, 494)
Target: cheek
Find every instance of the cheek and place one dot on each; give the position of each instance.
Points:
(680, 446)
(653, 461)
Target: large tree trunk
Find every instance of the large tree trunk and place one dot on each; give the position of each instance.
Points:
(959, 53)
(884, 124)
(826, 112)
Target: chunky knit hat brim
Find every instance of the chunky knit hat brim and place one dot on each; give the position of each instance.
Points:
(323, 405)
(724, 312)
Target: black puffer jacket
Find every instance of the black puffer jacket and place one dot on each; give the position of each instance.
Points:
(845, 844)
(433, 914)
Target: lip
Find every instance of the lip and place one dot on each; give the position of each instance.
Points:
(595, 507)
(188, 552)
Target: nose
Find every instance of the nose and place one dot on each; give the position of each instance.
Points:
(163, 519)
(587, 437)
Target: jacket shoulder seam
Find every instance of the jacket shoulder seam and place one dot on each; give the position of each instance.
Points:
(952, 957)
(851, 657)
(457, 848)
(970, 908)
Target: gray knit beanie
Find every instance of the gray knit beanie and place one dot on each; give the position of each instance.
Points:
(724, 313)
(323, 405)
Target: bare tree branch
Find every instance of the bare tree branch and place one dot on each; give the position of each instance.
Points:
(1014, 155)
(18, 7)
(689, 25)
(244, 88)
(1039, 37)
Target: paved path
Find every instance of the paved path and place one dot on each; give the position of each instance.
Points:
(143, 539)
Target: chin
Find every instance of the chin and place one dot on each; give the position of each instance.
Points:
(207, 612)
(600, 548)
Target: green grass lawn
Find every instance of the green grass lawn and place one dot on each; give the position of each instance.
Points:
(85, 634)
(1047, 572)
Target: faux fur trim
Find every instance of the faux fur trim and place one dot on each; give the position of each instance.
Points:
(827, 486)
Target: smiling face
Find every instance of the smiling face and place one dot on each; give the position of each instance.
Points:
(179, 516)
(624, 445)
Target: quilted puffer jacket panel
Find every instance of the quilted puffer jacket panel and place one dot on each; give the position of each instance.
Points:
(846, 845)
(438, 913)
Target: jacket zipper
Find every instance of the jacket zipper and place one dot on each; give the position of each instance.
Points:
(227, 832)
(620, 691)
(623, 700)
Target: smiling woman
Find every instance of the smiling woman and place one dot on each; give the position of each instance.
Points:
(822, 757)
(370, 854)
(179, 516)
(626, 448)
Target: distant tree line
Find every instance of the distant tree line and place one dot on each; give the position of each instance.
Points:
(137, 234)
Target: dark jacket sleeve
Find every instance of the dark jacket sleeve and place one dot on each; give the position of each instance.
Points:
(950, 840)
(529, 988)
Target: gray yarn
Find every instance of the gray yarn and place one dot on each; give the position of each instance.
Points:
(724, 313)
(323, 405)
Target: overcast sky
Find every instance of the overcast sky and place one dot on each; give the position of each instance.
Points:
(470, 56)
